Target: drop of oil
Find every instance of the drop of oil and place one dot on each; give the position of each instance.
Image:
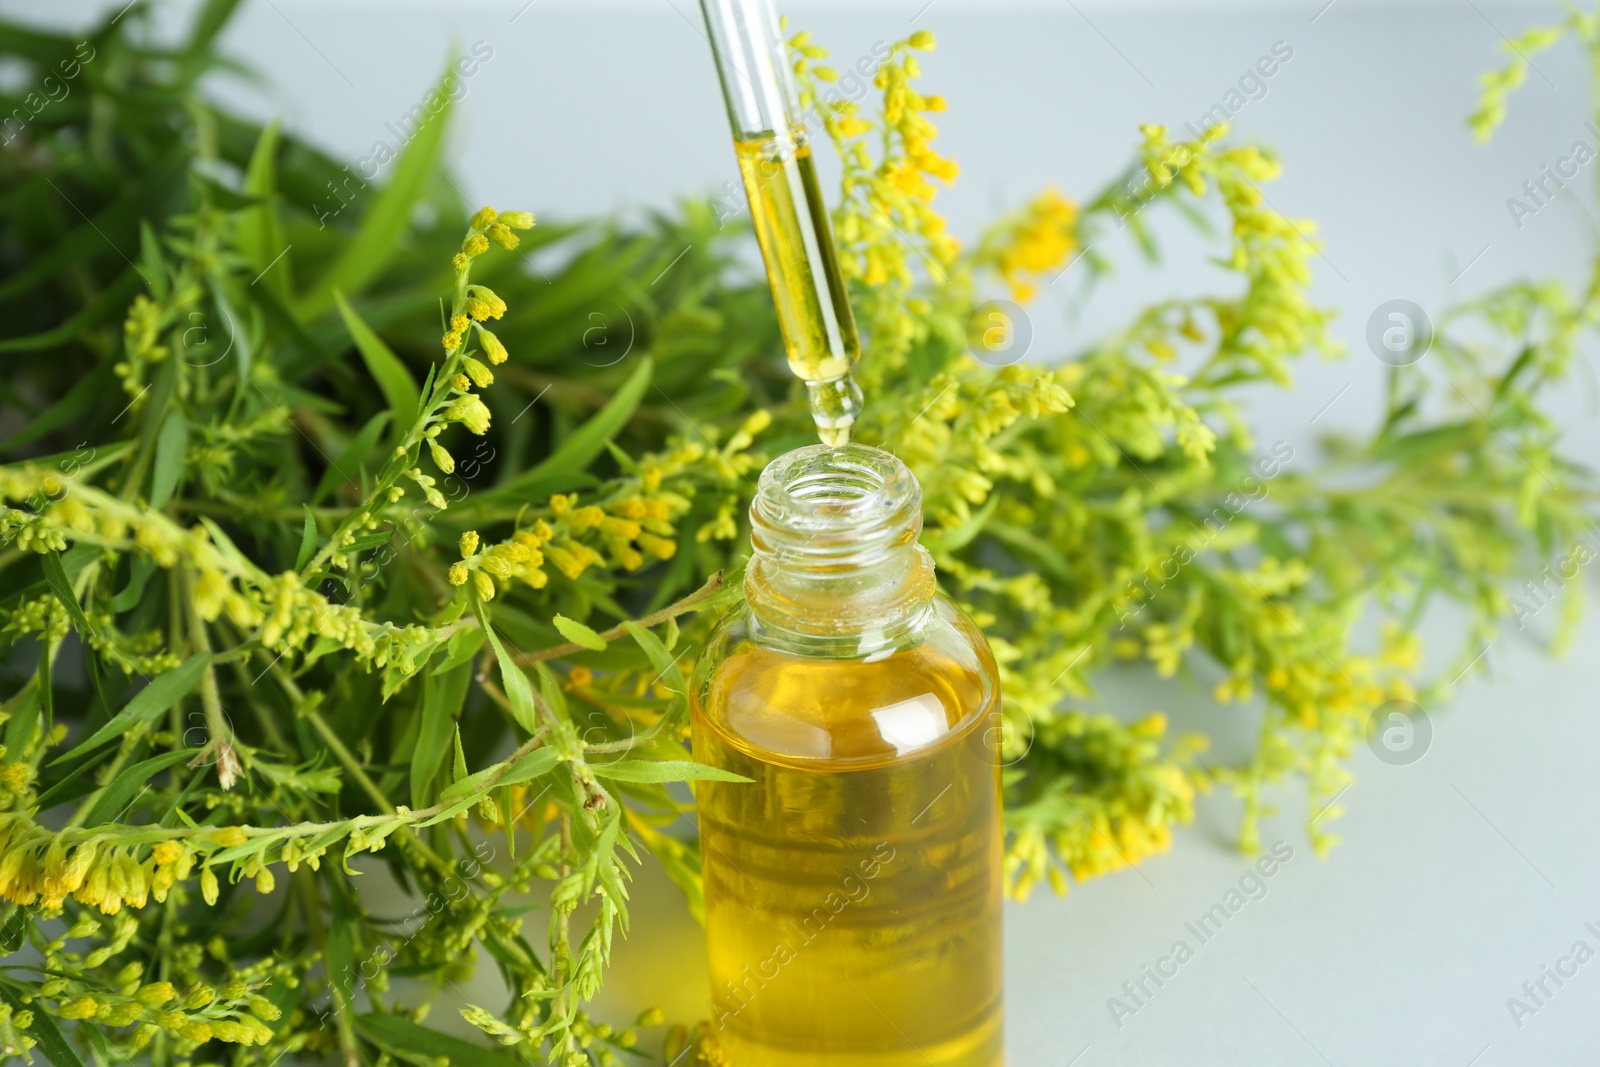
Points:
(835, 406)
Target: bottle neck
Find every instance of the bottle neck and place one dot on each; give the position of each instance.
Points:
(836, 568)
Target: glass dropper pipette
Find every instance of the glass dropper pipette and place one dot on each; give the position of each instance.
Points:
(791, 221)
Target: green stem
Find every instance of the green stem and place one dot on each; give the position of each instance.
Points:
(219, 735)
(398, 465)
(656, 618)
(341, 1007)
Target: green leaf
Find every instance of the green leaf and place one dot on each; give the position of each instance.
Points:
(665, 770)
(579, 634)
(588, 440)
(226, 198)
(140, 568)
(240, 343)
(367, 254)
(56, 577)
(529, 767)
(518, 692)
(260, 233)
(308, 540)
(14, 928)
(103, 234)
(172, 445)
(666, 664)
(461, 649)
(111, 300)
(458, 769)
(400, 1034)
(155, 268)
(443, 694)
(347, 465)
(208, 22)
(342, 952)
(51, 1045)
(164, 691)
(125, 787)
(399, 388)
(661, 659)
(24, 719)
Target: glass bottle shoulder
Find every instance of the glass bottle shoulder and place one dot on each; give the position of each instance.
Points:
(844, 709)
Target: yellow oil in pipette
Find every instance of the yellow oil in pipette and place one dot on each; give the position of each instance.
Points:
(814, 316)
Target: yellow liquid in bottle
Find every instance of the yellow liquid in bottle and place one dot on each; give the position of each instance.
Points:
(852, 891)
(819, 329)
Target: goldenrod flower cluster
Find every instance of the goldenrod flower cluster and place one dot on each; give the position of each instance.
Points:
(142, 331)
(885, 222)
(474, 305)
(1276, 319)
(225, 583)
(192, 1016)
(1036, 241)
(1499, 84)
(632, 522)
(37, 867)
(948, 432)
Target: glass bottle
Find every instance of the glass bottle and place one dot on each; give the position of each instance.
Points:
(853, 886)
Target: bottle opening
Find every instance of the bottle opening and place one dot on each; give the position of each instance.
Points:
(826, 501)
(834, 533)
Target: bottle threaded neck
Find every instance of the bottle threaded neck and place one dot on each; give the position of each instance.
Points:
(834, 533)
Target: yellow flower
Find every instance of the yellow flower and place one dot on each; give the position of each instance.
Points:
(81, 1008)
(1038, 242)
(441, 458)
(469, 543)
(501, 235)
(851, 126)
(659, 547)
(481, 375)
(586, 518)
(471, 412)
(155, 994)
(482, 218)
(482, 303)
(492, 346)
